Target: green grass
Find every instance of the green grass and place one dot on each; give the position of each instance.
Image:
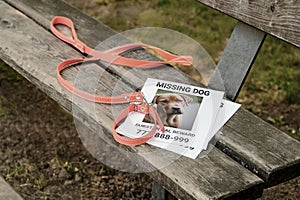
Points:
(13, 78)
(208, 27)
(32, 174)
(276, 72)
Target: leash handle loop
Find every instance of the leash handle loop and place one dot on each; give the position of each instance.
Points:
(113, 55)
(74, 41)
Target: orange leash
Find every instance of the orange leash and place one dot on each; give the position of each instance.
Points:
(135, 99)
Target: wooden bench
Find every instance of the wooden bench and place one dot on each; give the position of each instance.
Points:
(250, 155)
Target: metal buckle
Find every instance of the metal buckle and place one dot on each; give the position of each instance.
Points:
(139, 103)
(136, 98)
(140, 107)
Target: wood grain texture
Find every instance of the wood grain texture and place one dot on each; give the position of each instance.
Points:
(35, 53)
(275, 155)
(278, 18)
(237, 59)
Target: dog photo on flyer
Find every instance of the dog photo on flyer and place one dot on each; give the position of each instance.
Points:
(176, 110)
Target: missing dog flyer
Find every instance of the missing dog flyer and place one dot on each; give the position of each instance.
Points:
(189, 114)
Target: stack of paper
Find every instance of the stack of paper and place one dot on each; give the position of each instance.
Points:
(191, 115)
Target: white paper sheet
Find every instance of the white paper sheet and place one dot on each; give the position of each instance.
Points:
(200, 114)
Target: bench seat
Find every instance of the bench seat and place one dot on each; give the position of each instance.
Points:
(270, 155)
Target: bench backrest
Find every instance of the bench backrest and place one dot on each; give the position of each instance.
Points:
(256, 19)
(278, 18)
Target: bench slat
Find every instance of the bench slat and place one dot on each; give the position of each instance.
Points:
(248, 155)
(34, 53)
(275, 157)
(278, 18)
(7, 192)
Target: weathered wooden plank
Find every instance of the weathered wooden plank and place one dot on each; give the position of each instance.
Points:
(248, 155)
(7, 192)
(275, 155)
(237, 59)
(34, 53)
(278, 18)
(174, 178)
